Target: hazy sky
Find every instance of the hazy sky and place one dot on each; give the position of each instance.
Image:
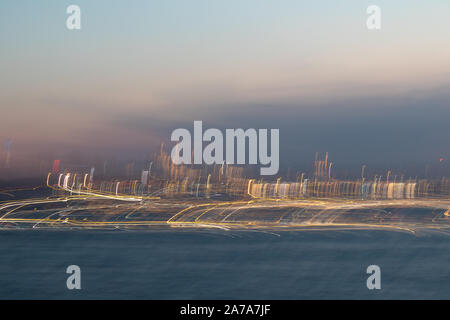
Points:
(139, 69)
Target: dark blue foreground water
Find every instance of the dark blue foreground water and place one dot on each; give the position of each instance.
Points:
(223, 265)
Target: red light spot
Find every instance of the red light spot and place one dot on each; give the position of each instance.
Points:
(55, 168)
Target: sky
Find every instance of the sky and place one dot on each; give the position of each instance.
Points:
(137, 70)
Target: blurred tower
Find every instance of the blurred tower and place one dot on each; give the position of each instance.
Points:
(144, 177)
(8, 153)
(150, 168)
(321, 167)
(129, 169)
(91, 175)
(316, 167)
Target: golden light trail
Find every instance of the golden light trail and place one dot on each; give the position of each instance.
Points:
(187, 197)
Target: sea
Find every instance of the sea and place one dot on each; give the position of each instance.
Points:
(220, 264)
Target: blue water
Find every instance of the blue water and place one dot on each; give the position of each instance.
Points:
(223, 265)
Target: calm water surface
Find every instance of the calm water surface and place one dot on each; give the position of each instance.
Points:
(223, 265)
